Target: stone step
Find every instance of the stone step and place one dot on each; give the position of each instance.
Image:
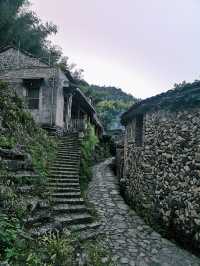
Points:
(89, 234)
(83, 227)
(73, 219)
(45, 229)
(39, 217)
(63, 180)
(68, 144)
(71, 150)
(65, 164)
(71, 137)
(67, 159)
(67, 155)
(69, 162)
(65, 195)
(69, 208)
(65, 170)
(68, 141)
(66, 167)
(63, 140)
(64, 189)
(63, 173)
(69, 147)
(66, 147)
(74, 201)
(61, 185)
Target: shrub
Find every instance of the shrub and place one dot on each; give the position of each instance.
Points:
(18, 127)
(12, 237)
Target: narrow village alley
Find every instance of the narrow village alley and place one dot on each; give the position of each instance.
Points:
(131, 241)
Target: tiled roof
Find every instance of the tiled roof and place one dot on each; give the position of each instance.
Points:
(186, 96)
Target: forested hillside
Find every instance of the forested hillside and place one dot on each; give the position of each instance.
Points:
(110, 103)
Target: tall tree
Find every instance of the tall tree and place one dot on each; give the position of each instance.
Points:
(21, 27)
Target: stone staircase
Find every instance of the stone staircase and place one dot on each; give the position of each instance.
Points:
(67, 208)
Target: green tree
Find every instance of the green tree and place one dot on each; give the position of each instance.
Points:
(21, 27)
(110, 103)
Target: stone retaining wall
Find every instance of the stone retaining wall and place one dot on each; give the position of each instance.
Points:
(162, 177)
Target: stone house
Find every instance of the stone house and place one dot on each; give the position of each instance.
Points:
(50, 94)
(159, 161)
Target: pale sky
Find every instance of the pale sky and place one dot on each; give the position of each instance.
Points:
(141, 46)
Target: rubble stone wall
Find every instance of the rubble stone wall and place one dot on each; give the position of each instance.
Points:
(162, 177)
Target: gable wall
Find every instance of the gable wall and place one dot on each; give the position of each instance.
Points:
(13, 59)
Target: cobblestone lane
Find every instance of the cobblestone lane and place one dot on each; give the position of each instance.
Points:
(130, 240)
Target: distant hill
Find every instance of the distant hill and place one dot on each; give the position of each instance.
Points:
(110, 103)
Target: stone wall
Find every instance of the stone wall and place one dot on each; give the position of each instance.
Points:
(162, 177)
(119, 159)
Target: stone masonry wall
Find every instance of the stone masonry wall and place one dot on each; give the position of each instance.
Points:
(163, 175)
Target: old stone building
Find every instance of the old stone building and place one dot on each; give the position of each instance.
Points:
(50, 95)
(159, 163)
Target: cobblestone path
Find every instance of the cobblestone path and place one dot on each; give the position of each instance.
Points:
(132, 243)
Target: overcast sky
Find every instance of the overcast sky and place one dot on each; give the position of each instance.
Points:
(142, 46)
